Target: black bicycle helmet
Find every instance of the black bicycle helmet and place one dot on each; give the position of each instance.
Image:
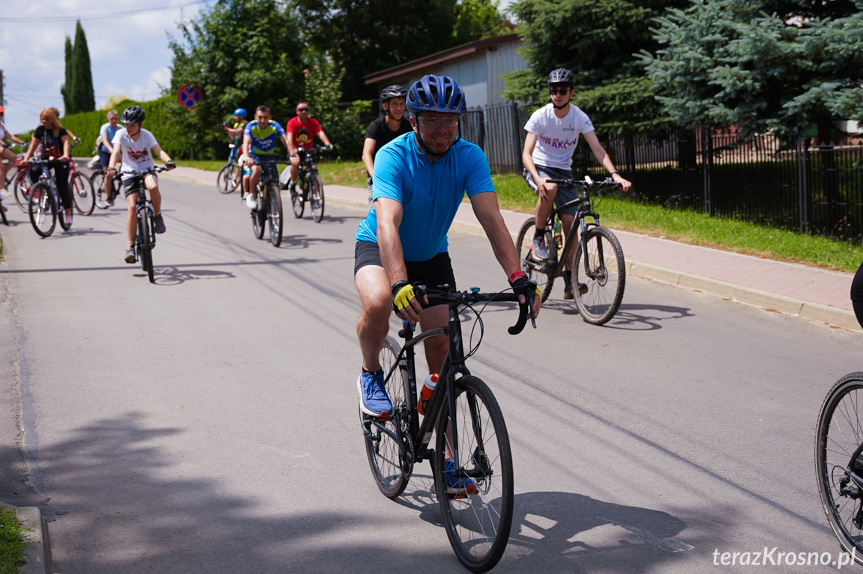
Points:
(436, 94)
(133, 114)
(394, 91)
(561, 76)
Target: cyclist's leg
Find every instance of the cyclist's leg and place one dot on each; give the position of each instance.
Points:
(545, 199)
(61, 174)
(131, 223)
(295, 167)
(377, 302)
(152, 184)
(8, 155)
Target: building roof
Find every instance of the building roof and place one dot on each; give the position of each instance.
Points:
(440, 57)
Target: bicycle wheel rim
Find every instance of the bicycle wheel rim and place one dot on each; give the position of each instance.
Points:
(23, 187)
(82, 194)
(605, 286)
(43, 215)
(840, 432)
(274, 214)
(477, 525)
(317, 198)
(97, 180)
(535, 270)
(389, 467)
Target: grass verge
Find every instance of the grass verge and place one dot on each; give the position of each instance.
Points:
(680, 225)
(11, 542)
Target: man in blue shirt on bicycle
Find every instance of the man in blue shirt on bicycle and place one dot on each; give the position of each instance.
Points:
(420, 179)
(259, 139)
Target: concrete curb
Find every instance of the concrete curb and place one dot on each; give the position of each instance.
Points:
(38, 549)
(768, 301)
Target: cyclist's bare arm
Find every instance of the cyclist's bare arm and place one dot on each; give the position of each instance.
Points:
(286, 142)
(324, 138)
(107, 144)
(527, 159)
(31, 149)
(603, 159)
(247, 146)
(487, 212)
(389, 215)
(368, 150)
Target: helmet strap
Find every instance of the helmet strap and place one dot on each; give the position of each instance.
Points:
(560, 107)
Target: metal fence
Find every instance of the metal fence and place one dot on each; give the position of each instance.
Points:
(799, 186)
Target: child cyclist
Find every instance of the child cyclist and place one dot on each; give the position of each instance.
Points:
(136, 144)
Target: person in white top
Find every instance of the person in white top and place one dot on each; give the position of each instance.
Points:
(552, 134)
(137, 146)
(4, 152)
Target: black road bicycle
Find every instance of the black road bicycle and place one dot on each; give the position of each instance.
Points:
(311, 187)
(269, 206)
(145, 236)
(597, 259)
(231, 174)
(839, 461)
(470, 432)
(44, 202)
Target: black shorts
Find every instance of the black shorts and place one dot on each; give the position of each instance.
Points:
(133, 184)
(432, 273)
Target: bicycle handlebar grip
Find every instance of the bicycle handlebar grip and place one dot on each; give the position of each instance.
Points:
(522, 319)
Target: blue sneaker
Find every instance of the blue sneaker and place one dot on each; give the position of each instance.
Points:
(458, 487)
(373, 396)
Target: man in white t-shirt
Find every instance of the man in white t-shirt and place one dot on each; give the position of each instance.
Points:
(552, 134)
(137, 146)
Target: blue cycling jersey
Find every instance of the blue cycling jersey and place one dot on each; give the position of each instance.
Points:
(263, 138)
(430, 193)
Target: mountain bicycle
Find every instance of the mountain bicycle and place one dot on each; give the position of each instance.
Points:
(269, 202)
(145, 236)
(472, 441)
(97, 180)
(311, 185)
(597, 261)
(44, 202)
(231, 174)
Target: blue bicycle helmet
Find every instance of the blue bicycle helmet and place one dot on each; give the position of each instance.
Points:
(436, 94)
(240, 112)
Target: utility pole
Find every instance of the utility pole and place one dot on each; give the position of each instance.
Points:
(2, 101)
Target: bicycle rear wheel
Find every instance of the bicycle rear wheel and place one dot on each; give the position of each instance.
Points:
(43, 210)
(839, 435)
(82, 194)
(477, 523)
(23, 188)
(228, 179)
(274, 213)
(316, 198)
(297, 203)
(386, 441)
(605, 276)
(538, 271)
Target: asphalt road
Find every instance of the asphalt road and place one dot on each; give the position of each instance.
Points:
(208, 423)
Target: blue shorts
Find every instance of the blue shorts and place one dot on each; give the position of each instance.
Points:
(104, 157)
(563, 196)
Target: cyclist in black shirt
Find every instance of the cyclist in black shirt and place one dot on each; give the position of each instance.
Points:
(386, 128)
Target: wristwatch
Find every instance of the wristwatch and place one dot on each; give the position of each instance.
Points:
(614, 171)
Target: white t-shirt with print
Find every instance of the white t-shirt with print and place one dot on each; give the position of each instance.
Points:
(557, 137)
(137, 155)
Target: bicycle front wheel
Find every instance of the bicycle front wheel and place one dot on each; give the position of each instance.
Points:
(603, 270)
(259, 220)
(43, 210)
(82, 194)
(145, 229)
(475, 490)
(229, 178)
(297, 203)
(317, 198)
(385, 440)
(539, 271)
(839, 435)
(274, 214)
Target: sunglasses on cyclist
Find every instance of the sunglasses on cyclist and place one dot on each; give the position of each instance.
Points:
(435, 122)
(558, 91)
(302, 109)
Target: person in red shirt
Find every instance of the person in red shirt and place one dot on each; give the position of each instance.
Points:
(301, 131)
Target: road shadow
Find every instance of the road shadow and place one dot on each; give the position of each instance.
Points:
(78, 231)
(630, 316)
(169, 276)
(304, 241)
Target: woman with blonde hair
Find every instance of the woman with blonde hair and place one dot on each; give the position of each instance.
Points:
(52, 141)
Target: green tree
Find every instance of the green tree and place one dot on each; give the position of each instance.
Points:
(728, 62)
(365, 36)
(82, 97)
(65, 89)
(240, 53)
(597, 42)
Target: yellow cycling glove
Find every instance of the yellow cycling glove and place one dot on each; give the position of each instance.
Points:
(403, 292)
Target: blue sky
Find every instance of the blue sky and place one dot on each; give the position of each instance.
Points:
(128, 46)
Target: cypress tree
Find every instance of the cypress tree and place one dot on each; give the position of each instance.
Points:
(66, 88)
(82, 77)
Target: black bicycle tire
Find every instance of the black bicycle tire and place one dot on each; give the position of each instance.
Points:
(146, 249)
(595, 306)
(528, 264)
(298, 206)
(226, 181)
(832, 453)
(401, 473)
(22, 186)
(275, 216)
(84, 182)
(259, 220)
(3, 213)
(49, 207)
(317, 207)
(494, 491)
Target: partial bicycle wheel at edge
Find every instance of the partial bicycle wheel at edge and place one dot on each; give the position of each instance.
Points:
(839, 434)
(82, 194)
(390, 468)
(274, 214)
(477, 524)
(43, 212)
(316, 197)
(229, 178)
(535, 270)
(606, 279)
